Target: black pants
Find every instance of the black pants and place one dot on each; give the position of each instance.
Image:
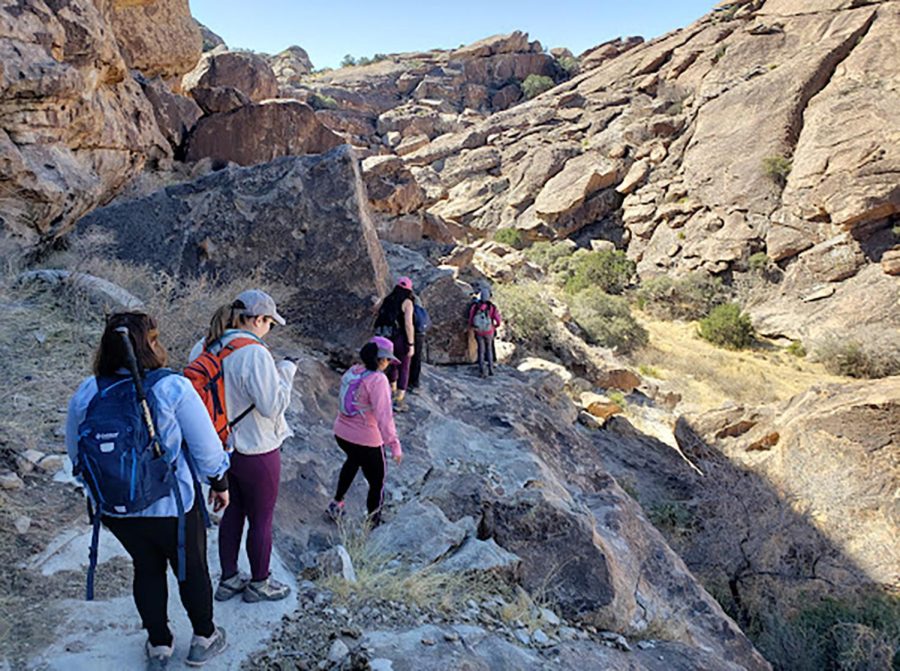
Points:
(415, 366)
(371, 461)
(152, 542)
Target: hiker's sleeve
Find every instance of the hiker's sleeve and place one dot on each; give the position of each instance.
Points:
(77, 408)
(196, 351)
(198, 432)
(268, 386)
(380, 398)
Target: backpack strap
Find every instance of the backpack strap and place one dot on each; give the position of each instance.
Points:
(233, 345)
(94, 517)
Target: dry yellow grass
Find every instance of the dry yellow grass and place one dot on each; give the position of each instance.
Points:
(707, 376)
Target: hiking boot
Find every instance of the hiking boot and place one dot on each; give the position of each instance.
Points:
(266, 590)
(336, 511)
(158, 656)
(373, 520)
(231, 587)
(401, 406)
(204, 649)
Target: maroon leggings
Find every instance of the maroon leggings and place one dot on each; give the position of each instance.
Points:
(399, 373)
(253, 490)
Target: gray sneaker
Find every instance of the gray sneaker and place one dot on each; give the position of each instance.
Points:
(158, 656)
(204, 649)
(266, 590)
(231, 587)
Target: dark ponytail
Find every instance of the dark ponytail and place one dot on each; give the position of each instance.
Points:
(369, 355)
(224, 318)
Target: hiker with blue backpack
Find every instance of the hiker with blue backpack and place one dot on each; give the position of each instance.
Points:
(140, 440)
(364, 426)
(421, 324)
(395, 322)
(234, 372)
(484, 318)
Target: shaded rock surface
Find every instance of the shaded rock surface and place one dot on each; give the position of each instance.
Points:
(233, 223)
(245, 71)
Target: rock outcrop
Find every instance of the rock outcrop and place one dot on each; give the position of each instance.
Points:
(291, 65)
(74, 125)
(248, 72)
(283, 220)
(260, 132)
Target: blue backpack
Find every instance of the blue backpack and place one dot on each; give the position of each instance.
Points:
(116, 460)
(421, 320)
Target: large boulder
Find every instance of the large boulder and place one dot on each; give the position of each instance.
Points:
(302, 223)
(291, 65)
(74, 126)
(159, 38)
(246, 71)
(175, 114)
(260, 132)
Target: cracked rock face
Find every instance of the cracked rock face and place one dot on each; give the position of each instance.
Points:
(74, 125)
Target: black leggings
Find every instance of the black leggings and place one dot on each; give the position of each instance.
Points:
(371, 460)
(152, 542)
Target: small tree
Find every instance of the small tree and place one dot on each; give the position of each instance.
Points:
(727, 326)
(526, 315)
(777, 168)
(347, 60)
(535, 85)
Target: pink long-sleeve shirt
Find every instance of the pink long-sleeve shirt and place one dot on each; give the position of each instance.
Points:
(375, 426)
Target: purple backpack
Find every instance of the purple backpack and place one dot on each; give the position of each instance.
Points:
(350, 382)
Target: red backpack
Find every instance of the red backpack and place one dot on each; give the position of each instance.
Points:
(206, 374)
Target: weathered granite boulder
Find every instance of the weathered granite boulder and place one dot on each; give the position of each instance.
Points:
(159, 38)
(219, 99)
(246, 71)
(300, 222)
(260, 132)
(74, 126)
(209, 39)
(391, 186)
(291, 65)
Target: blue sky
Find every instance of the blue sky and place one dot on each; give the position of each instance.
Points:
(328, 30)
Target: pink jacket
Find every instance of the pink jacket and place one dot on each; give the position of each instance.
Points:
(374, 427)
(494, 314)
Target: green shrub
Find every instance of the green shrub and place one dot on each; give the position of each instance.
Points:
(797, 349)
(896, 230)
(610, 270)
(777, 168)
(727, 326)
(617, 397)
(860, 632)
(347, 60)
(855, 359)
(320, 101)
(688, 297)
(672, 517)
(509, 236)
(606, 320)
(759, 262)
(546, 254)
(535, 85)
(569, 65)
(526, 314)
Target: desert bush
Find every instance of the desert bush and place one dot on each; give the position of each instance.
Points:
(569, 65)
(348, 61)
(688, 297)
(527, 316)
(546, 254)
(796, 349)
(759, 262)
(534, 85)
(856, 359)
(777, 168)
(606, 320)
(859, 632)
(320, 101)
(509, 236)
(608, 270)
(727, 326)
(672, 517)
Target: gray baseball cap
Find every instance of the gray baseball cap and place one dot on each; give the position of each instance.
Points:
(258, 303)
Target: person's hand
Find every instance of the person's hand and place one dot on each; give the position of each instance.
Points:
(398, 459)
(412, 350)
(218, 500)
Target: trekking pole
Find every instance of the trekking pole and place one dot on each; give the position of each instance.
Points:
(139, 388)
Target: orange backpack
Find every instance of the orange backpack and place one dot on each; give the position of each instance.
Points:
(206, 374)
